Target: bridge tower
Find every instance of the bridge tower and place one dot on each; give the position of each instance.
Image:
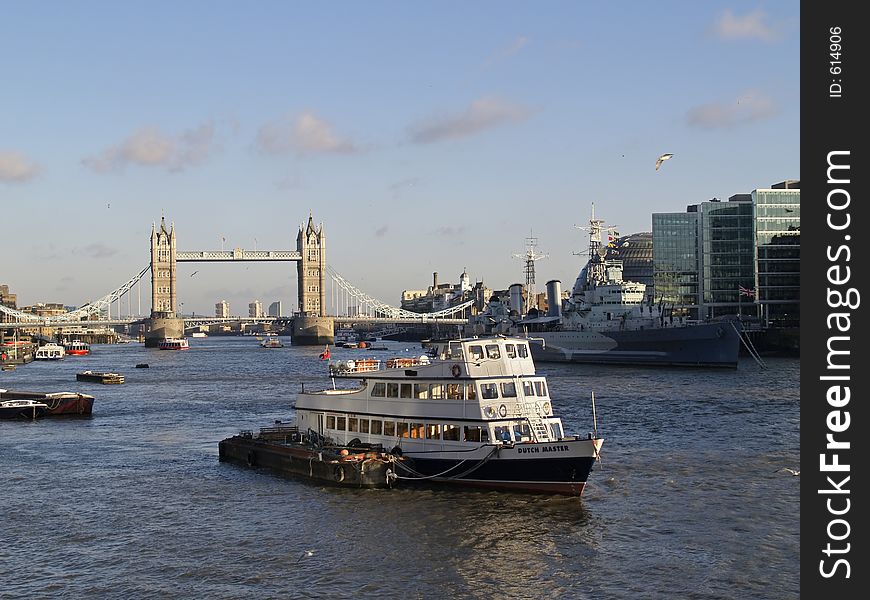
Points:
(163, 323)
(311, 325)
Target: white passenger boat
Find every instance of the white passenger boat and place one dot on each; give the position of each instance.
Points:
(174, 344)
(49, 352)
(475, 413)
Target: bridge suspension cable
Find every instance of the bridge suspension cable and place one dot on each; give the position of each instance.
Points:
(377, 307)
(87, 310)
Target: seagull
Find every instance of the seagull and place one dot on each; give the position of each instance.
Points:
(194, 273)
(305, 554)
(792, 471)
(662, 159)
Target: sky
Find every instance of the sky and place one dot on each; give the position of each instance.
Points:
(426, 137)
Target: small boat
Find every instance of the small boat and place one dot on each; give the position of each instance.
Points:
(56, 403)
(271, 342)
(174, 344)
(100, 377)
(21, 409)
(50, 352)
(77, 348)
(199, 334)
(142, 365)
(286, 450)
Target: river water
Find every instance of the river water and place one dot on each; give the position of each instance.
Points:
(688, 501)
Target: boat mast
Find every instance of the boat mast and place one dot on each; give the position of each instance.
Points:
(530, 256)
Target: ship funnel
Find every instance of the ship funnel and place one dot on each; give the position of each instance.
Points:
(554, 298)
(516, 298)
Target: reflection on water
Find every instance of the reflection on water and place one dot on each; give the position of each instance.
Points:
(134, 503)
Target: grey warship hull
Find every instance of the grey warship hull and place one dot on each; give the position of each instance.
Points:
(701, 345)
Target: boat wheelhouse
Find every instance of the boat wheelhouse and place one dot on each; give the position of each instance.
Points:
(174, 344)
(49, 352)
(472, 412)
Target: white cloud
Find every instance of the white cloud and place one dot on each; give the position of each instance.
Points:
(750, 107)
(306, 134)
(482, 114)
(16, 168)
(150, 147)
(750, 26)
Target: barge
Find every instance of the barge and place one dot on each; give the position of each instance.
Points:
(285, 450)
(55, 403)
(100, 377)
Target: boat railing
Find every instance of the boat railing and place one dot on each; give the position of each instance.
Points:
(369, 365)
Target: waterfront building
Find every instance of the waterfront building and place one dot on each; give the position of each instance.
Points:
(736, 257)
(8, 300)
(275, 309)
(222, 309)
(255, 309)
(439, 295)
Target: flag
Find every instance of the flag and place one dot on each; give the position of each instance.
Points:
(325, 354)
(746, 292)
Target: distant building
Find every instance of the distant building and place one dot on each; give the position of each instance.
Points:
(255, 309)
(439, 295)
(222, 309)
(636, 253)
(275, 309)
(8, 300)
(40, 309)
(736, 257)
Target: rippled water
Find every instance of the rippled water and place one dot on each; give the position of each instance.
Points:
(133, 502)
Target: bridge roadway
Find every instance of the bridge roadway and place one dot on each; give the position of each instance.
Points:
(195, 321)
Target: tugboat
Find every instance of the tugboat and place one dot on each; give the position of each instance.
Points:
(472, 412)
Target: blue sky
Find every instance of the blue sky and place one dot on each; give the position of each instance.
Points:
(426, 138)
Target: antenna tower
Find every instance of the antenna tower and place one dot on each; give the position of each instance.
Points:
(530, 256)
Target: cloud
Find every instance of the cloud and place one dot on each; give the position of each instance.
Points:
(750, 26)
(150, 147)
(484, 113)
(96, 250)
(518, 44)
(750, 107)
(306, 134)
(17, 168)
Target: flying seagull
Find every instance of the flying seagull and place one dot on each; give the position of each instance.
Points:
(305, 554)
(662, 159)
(194, 273)
(792, 471)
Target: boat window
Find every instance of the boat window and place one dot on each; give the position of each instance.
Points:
(502, 433)
(523, 350)
(541, 388)
(421, 391)
(510, 350)
(389, 428)
(509, 389)
(352, 424)
(330, 422)
(470, 392)
(376, 427)
(476, 434)
(339, 423)
(522, 432)
(402, 430)
(488, 391)
(436, 391)
(454, 351)
(392, 390)
(406, 391)
(454, 391)
(492, 351)
(476, 352)
(556, 428)
(417, 430)
(451, 433)
(363, 425)
(379, 390)
(528, 388)
(433, 432)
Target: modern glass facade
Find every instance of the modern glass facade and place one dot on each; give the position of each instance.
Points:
(676, 263)
(778, 249)
(735, 257)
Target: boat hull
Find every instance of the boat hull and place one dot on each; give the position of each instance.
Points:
(298, 460)
(80, 405)
(702, 345)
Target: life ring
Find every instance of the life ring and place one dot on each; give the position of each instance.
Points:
(502, 411)
(338, 473)
(546, 407)
(456, 370)
(489, 412)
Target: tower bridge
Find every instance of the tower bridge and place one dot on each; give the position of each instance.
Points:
(311, 325)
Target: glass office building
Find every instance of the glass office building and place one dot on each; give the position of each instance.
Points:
(676, 262)
(727, 238)
(778, 251)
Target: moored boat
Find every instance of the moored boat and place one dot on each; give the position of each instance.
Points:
(56, 403)
(100, 377)
(271, 342)
(476, 413)
(49, 352)
(21, 409)
(174, 344)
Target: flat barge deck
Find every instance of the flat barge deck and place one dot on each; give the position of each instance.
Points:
(287, 451)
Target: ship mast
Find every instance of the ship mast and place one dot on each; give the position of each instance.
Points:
(597, 252)
(530, 256)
